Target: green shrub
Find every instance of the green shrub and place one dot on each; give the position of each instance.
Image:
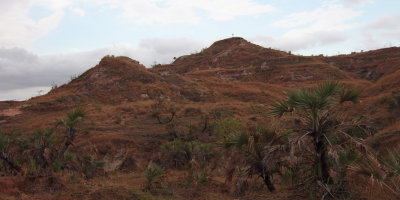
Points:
(178, 153)
(69, 156)
(73, 177)
(31, 167)
(56, 166)
(357, 131)
(396, 96)
(201, 177)
(90, 166)
(292, 174)
(227, 126)
(153, 172)
(389, 101)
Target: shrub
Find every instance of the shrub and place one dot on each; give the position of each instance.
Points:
(389, 101)
(261, 150)
(153, 173)
(90, 166)
(226, 126)
(178, 153)
(392, 101)
(160, 107)
(5, 142)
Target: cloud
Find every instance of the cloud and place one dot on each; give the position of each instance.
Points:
(384, 31)
(23, 72)
(184, 11)
(18, 29)
(78, 11)
(328, 16)
(302, 41)
(384, 23)
(322, 26)
(23, 93)
(354, 3)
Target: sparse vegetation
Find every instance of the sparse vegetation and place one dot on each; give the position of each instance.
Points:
(5, 155)
(150, 134)
(315, 109)
(73, 119)
(90, 166)
(263, 150)
(160, 107)
(153, 173)
(392, 101)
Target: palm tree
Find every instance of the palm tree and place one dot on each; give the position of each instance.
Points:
(43, 139)
(5, 142)
(262, 150)
(73, 119)
(316, 110)
(382, 169)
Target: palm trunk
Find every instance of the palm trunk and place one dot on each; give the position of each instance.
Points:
(323, 167)
(268, 183)
(63, 150)
(4, 156)
(70, 138)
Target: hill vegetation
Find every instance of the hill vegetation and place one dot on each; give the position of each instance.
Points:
(234, 121)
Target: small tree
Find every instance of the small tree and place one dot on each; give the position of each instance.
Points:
(384, 170)
(262, 149)
(42, 140)
(73, 119)
(5, 142)
(153, 173)
(316, 110)
(159, 107)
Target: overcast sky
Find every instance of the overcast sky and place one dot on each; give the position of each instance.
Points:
(45, 42)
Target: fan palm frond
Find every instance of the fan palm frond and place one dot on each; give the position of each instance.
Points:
(348, 94)
(281, 107)
(392, 161)
(73, 117)
(237, 139)
(328, 89)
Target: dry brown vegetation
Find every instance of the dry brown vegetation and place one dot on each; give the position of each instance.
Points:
(159, 133)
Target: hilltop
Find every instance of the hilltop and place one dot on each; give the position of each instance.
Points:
(231, 79)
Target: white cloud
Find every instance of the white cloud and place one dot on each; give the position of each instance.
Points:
(18, 29)
(322, 26)
(326, 17)
(384, 31)
(184, 11)
(24, 72)
(385, 22)
(23, 93)
(78, 11)
(354, 3)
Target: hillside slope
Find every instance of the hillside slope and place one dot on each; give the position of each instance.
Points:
(233, 78)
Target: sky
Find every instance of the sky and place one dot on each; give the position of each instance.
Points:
(44, 43)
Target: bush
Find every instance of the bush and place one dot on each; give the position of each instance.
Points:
(153, 172)
(227, 126)
(392, 101)
(91, 166)
(389, 101)
(178, 153)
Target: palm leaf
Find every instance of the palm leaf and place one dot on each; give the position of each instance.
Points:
(349, 94)
(238, 139)
(392, 161)
(73, 117)
(281, 107)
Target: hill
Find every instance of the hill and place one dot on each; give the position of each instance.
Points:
(131, 112)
